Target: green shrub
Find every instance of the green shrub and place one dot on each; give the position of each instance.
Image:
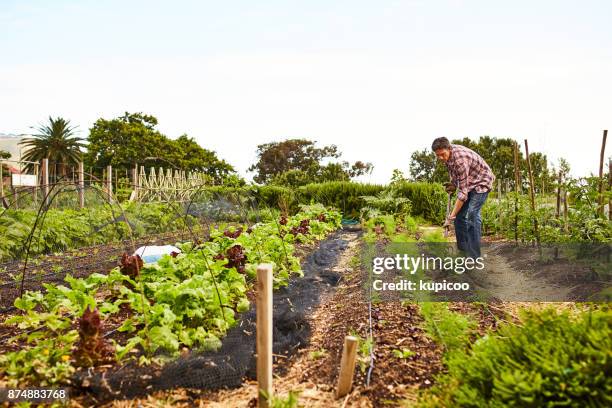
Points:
(343, 195)
(551, 359)
(428, 199)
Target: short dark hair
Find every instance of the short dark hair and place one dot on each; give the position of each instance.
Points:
(440, 143)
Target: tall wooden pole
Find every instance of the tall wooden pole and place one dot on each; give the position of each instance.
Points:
(601, 164)
(135, 181)
(81, 177)
(1, 184)
(109, 182)
(532, 195)
(264, 334)
(45, 180)
(565, 223)
(499, 205)
(347, 366)
(610, 189)
(559, 181)
(37, 181)
(517, 188)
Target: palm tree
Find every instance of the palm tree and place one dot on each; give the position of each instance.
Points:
(55, 141)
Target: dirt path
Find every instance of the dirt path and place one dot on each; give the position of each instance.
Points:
(518, 272)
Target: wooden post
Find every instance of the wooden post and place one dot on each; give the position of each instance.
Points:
(517, 170)
(81, 188)
(45, 180)
(347, 366)
(532, 195)
(499, 207)
(565, 224)
(1, 183)
(35, 195)
(264, 333)
(601, 163)
(610, 188)
(135, 181)
(109, 182)
(517, 189)
(558, 213)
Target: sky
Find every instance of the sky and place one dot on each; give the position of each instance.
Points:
(380, 79)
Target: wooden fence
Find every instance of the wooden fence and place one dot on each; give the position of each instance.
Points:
(154, 185)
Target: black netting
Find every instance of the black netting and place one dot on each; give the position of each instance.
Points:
(235, 360)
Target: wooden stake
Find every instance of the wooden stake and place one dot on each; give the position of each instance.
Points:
(45, 180)
(81, 188)
(37, 182)
(565, 225)
(601, 163)
(517, 170)
(558, 213)
(109, 182)
(347, 366)
(610, 188)
(532, 195)
(264, 333)
(517, 189)
(1, 183)
(499, 208)
(134, 182)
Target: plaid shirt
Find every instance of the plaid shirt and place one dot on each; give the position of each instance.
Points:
(468, 171)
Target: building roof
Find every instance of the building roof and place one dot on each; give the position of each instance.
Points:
(10, 143)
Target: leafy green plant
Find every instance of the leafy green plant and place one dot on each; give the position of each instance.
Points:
(189, 299)
(403, 353)
(551, 359)
(364, 349)
(317, 354)
(451, 329)
(291, 400)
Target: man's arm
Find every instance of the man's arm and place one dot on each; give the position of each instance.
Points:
(456, 209)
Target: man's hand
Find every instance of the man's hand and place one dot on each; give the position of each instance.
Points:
(450, 188)
(448, 222)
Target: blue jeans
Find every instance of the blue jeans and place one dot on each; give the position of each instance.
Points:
(468, 224)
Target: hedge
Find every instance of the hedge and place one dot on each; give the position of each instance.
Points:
(428, 200)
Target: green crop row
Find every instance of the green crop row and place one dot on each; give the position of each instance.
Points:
(188, 299)
(551, 359)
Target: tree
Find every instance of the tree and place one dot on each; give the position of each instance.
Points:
(4, 155)
(132, 138)
(189, 155)
(299, 161)
(497, 152)
(292, 178)
(55, 141)
(294, 154)
(425, 167)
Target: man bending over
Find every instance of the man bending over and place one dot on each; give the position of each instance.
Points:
(472, 178)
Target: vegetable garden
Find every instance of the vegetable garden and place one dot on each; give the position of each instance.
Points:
(81, 311)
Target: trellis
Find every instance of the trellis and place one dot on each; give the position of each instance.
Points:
(166, 185)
